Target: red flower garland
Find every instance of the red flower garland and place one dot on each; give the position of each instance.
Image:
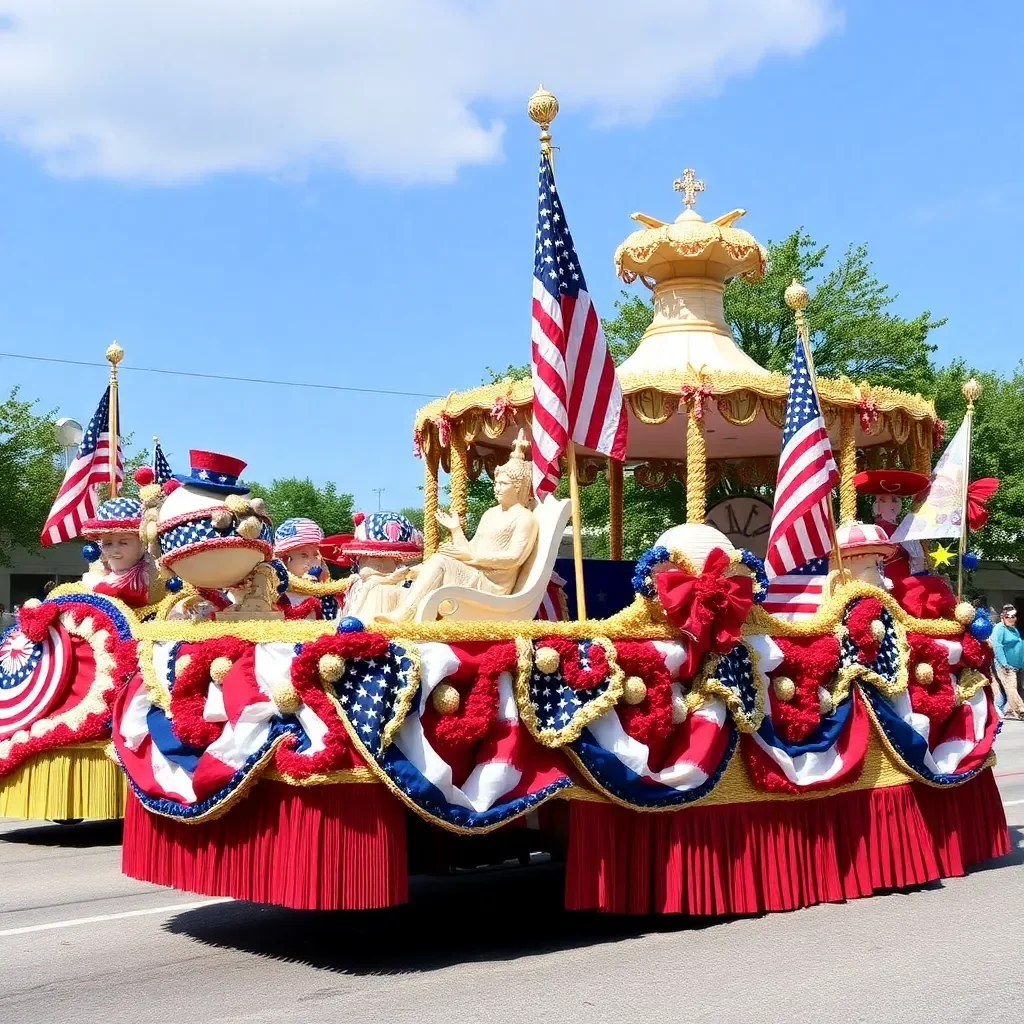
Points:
(975, 653)
(938, 433)
(191, 685)
(698, 395)
(34, 622)
(868, 410)
(809, 663)
(417, 442)
(578, 677)
(936, 699)
(650, 721)
(858, 622)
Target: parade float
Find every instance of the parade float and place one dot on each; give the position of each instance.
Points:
(691, 753)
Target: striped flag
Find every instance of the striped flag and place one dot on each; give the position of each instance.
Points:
(798, 594)
(802, 513)
(76, 500)
(161, 467)
(575, 392)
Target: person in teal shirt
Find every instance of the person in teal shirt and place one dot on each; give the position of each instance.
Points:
(1008, 648)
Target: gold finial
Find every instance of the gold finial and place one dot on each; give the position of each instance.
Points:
(543, 109)
(689, 186)
(114, 354)
(796, 296)
(972, 392)
(519, 446)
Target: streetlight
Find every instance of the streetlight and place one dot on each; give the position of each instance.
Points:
(69, 434)
(378, 491)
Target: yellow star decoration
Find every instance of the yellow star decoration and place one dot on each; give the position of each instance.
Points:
(941, 556)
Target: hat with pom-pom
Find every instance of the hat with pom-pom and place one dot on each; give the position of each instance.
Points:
(115, 515)
(387, 534)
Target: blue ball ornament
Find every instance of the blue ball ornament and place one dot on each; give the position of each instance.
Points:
(91, 551)
(350, 624)
(981, 627)
(315, 571)
(970, 560)
(174, 584)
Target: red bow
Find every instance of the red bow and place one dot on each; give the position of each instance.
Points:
(709, 608)
(978, 494)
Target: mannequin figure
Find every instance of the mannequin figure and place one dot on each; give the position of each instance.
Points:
(124, 568)
(382, 553)
(491, 561)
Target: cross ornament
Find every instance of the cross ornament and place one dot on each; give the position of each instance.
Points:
(689, 185)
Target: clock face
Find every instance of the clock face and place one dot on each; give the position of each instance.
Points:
(745, 521)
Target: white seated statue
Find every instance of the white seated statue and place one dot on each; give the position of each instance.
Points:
(491, 561)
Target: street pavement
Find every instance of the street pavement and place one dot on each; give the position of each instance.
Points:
(79, 942)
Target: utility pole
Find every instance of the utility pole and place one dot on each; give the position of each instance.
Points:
(378, 491)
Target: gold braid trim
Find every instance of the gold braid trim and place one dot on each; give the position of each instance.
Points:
(707, 684)
(890, 688)
(830, 614)
(847, 466)
(555, 738)
(342, 776)
(696, 465)
(458, 480)
(159, 692)
(895, 754)
(300, 585)
(968, 683)
(406, 696)
(841, 393)
(430, 464)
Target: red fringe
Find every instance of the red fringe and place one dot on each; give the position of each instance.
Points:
(751, 858)
(334, 847)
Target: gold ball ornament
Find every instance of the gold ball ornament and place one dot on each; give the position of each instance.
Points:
(331, 667)
(258, 506)
(547, 660)
(679, 709)
(250, 528)
(971, 390)
(634, 691)
(785, 688)
(796, 296)
(964, 613)
(878, 629)
(840, 632)
(150, 494)
(825, 703)
(152, 531)
(221, 519)
(114, 353)
(446, 699)
(542, 107)
(924, 674)
(219, 668)
(32, 602)
(182, 663)
(286, 697)
(238, 505)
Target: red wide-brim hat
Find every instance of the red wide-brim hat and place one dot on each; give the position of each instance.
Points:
(902, 483)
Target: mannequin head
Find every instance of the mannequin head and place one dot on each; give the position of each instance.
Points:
(298, 561)
(887, 508)
(120, 551)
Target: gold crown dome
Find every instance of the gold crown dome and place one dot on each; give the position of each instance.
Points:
(686, 264)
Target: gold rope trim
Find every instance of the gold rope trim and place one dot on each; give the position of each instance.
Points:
(430, 463)
(696, 464)
(406, 696)
(847, 466)
(339, 777)
(555, 738)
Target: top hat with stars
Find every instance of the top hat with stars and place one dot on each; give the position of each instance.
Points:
(115, 515)
(211, 471)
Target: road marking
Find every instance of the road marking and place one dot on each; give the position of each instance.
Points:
(1012, 803)
(75, 921)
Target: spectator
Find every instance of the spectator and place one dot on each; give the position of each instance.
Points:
(1008, 648)
(48, 586)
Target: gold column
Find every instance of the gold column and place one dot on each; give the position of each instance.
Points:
(847, 465)
(431, 459)
(614, 509)
(458, 482)
(923, 449)
(696, 465)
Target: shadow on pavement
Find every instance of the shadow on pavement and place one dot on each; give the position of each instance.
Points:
(501, 914)
(1015, 856)
(81, 834)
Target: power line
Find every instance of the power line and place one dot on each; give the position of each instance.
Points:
(218, 376)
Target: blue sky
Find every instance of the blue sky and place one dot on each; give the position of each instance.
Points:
(396, 252)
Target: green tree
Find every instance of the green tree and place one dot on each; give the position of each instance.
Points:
(30, 473)
(290, 497)
(997, 450)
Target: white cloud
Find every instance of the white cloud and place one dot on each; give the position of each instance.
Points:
(405, 90)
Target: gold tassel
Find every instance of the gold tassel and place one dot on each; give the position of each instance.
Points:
(69, 782)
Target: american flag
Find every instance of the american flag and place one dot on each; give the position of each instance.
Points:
(161, 467)
(798, 594)
(807, 473)
(76, 500)
(575, 392)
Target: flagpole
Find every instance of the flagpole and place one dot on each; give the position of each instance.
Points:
(797, 298)
(114, 355)
(156, 444)
(971, 392)
(543, 109)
